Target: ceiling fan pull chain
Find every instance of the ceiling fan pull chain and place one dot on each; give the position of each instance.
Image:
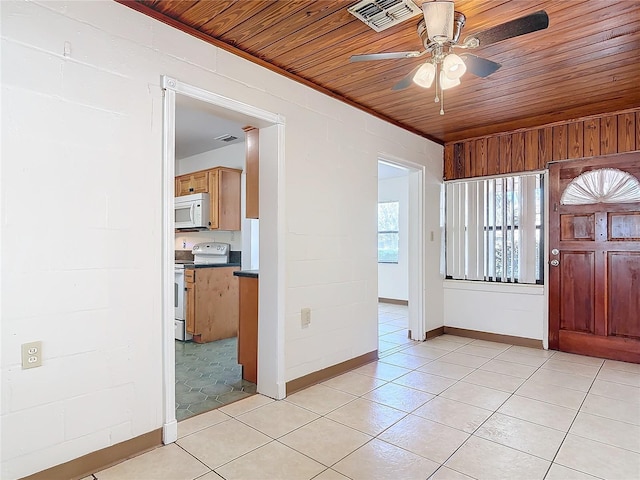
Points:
(441, 101)
(436, 100)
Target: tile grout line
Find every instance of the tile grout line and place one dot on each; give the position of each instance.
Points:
(415, 369)
(442, 464)
(510, 396)
(571, 425)
(403, 349)
(481, 424)
(456, 382)
(193, 456)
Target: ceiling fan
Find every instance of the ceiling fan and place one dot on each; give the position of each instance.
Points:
(440, 31)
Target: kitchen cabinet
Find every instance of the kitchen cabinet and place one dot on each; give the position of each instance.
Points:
(252, 171)
(197, 182)
(223, 186)
(224, 191)
(248, 325)
(212, 303)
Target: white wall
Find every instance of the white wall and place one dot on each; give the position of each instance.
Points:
(82, 134)
(393, 278)
(232, 156)
(517, 310)
(434, 271)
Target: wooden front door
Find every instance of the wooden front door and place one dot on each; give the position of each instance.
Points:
(594, 257)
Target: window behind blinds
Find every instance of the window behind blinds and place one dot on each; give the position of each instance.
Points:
(494, 229)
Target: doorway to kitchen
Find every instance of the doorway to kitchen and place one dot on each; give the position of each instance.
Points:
(270, 302)
(400, 254)
(209, 152)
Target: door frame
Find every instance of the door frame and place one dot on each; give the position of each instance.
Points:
(416, 254)
(271, 371)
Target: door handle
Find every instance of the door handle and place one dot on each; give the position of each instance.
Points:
(554, 262)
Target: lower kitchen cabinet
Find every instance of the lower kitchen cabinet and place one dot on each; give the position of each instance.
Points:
(212, 303)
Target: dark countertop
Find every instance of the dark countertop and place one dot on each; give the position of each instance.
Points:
(246, 273)
(213, 265)
(210, 265)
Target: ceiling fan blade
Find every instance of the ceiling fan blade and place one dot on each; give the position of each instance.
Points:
(384, 56)
(514, 28)
(480, 67)
(406, 81)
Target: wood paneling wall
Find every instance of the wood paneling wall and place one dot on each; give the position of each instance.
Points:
(531, 149)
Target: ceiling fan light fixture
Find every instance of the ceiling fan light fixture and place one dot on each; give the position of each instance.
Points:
(425, 75)
(453, 66)
(446, 82)
(438, 17)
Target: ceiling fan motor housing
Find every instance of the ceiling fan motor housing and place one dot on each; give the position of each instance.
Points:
(458, 23)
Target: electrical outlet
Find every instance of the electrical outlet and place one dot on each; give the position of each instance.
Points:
(31, 354)
(305, 317)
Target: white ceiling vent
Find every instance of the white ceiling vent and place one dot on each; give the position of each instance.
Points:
(226, 138)
(383, 14)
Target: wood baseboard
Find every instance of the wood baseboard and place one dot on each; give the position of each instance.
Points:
(494, 337)
(393, 301)
(99, 460)
(436, 332)
(298, 384)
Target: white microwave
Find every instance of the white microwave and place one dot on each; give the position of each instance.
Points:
(192, 211)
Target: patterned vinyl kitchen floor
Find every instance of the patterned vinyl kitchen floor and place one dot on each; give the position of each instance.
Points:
(208, 376)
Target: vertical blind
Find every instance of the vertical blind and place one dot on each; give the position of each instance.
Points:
(493, 229)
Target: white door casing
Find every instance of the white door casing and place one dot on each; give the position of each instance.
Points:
(271, 373)
(416, 292)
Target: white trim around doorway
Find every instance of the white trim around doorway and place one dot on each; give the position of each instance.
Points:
(271, 374)
(416, 293)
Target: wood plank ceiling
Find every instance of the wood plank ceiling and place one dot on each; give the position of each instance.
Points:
(587, 62)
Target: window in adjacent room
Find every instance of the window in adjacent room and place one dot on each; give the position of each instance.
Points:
(388, 227)
(494, 229)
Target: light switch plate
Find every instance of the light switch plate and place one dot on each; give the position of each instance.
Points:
(305, 315)
(31, 354)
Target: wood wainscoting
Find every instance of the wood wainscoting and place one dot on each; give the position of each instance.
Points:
(531, 149)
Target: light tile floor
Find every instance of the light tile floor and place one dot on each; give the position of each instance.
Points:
(448, 408)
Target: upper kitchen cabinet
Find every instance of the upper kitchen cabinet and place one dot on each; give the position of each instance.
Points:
(223, 186)
(197, 182)
(224, 191)
(252, 171)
